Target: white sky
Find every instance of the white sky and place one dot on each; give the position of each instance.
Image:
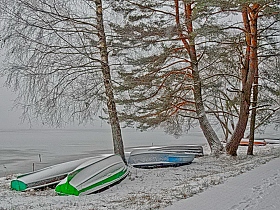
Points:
(10, 118)
(10, 115)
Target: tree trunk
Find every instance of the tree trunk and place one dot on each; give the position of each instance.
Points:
(240, 128)
(248, 72)
(113, 116)
(209, 133)
(253, 117)
(254, 65)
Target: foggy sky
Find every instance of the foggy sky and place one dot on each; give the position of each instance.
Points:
(10, 117)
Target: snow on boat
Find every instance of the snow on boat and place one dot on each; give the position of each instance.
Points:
(93, 175)
(194, 149)
(159, 157)
(257, 142)
(45, 177)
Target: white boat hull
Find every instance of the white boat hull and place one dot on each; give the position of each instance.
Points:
(45, 177)
(93, 175)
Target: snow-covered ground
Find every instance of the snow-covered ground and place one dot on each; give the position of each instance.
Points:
(258, 189)
(149, 188)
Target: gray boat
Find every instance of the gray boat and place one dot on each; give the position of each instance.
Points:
(153, 157)
(194, 149)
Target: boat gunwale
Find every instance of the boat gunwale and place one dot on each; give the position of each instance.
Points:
(150, 165)
(133, 153)
(32, 185)
(51, 167)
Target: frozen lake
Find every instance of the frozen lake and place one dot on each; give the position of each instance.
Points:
(23, 149)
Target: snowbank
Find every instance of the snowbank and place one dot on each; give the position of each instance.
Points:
(143, 188)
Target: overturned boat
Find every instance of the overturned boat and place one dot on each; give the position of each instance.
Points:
(160, 157)
(193, 149)
(272, 140)
(45, 177)
(257, 142)
(93, 175)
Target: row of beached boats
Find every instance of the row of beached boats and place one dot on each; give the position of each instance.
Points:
(93, 174)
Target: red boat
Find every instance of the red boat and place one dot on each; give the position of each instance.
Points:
(257, 142)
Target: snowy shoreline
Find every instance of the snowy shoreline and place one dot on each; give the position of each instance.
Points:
(145, 189)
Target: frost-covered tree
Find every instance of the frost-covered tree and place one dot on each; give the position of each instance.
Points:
(58, 61)
(251, 15)
(186, 60)
(162, 44)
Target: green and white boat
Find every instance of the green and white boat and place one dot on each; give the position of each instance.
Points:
(45, 177)
(93, 175)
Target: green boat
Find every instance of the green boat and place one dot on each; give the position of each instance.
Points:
(93, 175)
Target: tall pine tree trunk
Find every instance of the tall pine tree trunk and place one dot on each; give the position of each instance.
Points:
(254, 65)
(253, 116)
(250, 15)
(189, 44)
(113, 116)
(240, 128)
(209, 133)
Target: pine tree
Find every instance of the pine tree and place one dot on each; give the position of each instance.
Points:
(251, 13)
(162, 45)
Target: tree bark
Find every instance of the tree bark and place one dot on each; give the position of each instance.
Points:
(250, 150)
(239, 131)
(113, 116)
(209, 133)
(254, 65)
(248, 71)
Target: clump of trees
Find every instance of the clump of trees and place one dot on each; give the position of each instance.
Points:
(57, 61)
(172, 64)
(197, 60)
